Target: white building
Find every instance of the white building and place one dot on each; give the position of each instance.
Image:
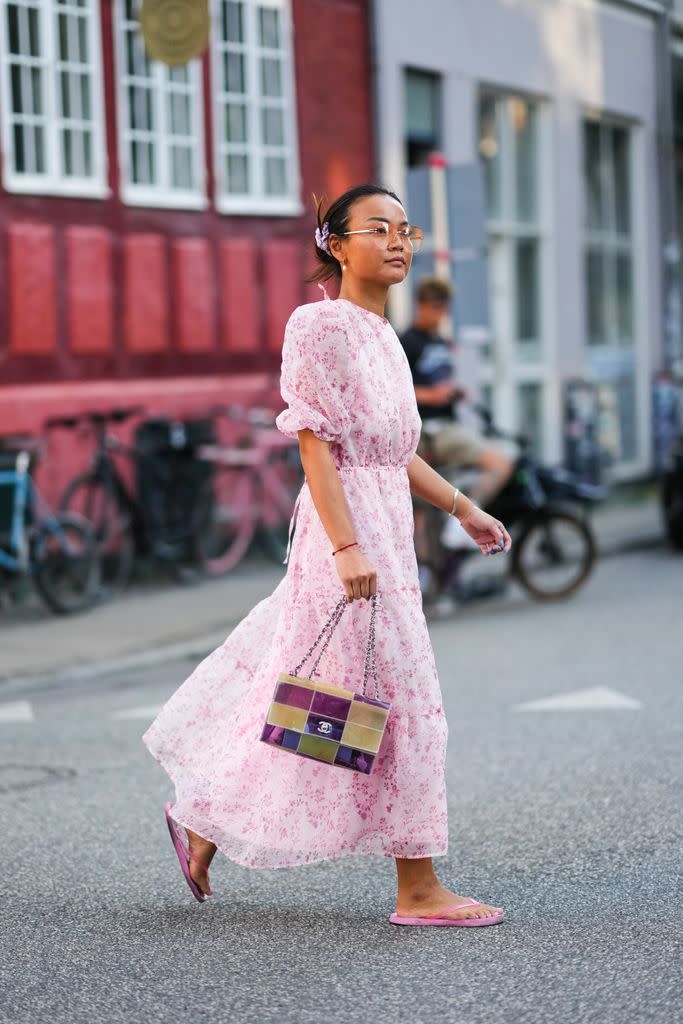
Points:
(557, 99)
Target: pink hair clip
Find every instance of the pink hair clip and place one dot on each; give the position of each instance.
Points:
(322, 236)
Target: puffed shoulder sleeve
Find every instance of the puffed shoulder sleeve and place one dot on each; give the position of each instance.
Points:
(318, 371)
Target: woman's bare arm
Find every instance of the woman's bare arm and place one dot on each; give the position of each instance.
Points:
(434, 488)
(487, 532)
(326, 489)
(355, 571)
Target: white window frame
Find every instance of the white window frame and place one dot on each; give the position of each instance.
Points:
(607, 240)
(605, 361)
(161, 194)
(513, 362)
(53, 181)
(256, 201)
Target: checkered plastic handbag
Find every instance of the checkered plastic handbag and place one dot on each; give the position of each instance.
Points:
(324, 722)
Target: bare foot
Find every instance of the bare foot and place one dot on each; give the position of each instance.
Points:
(202, 852)
(435, 900)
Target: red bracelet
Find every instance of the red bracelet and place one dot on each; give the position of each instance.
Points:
(351, 545)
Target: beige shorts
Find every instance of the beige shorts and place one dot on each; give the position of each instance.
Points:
(453, 443)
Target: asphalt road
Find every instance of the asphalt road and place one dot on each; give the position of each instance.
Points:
(568, 816)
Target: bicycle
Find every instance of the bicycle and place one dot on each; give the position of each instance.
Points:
(252, 489)
(154, 521)
(58, 550)
(554, 549)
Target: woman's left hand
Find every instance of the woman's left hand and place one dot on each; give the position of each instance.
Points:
(489, 533)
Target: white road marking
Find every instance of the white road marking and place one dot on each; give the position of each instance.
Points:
(16, 711)
(148, 712)
(593, 699)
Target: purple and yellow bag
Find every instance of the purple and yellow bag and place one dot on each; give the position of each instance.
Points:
(324, 722)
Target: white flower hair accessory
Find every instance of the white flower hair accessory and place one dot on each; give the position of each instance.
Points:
(322, 236)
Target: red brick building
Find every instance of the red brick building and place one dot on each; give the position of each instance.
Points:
(156, 223)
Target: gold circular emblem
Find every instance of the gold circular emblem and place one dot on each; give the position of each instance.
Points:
(174, 31)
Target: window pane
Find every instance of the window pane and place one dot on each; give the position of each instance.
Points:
(181, 167)
(19, 140)
(273, 126)
(82, 40)
(624, 298)
(595, 297)
(86, 109)
(530, 415)
(74, 153)
(143, 163)
(423, 101)
(32, 25)
(269, 27)
(35, 76)
(271, 77)
(237, 172)
(87, 153)
(140, 108)
(233, 66)
(179, 113)
(489, 152)
(137, 62)
(65, 94)
(13, 28)
(523, 117)
(527, 272)
(235, 122)
(17, 97)
(594, 212)
(232, 22)
(621, 183)
(68, 152)
(63, 39)
(276, 176)
(39, 160)
(180, 75)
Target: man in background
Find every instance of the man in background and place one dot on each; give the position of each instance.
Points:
(432, 364)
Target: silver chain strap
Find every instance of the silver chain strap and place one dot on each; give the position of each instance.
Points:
(329, 628)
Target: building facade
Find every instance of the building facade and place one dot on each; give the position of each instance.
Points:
(557, 101)
(156, 223)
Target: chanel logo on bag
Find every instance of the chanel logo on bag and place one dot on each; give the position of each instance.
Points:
(324, 727)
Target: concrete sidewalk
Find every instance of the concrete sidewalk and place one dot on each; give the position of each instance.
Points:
(152, 623)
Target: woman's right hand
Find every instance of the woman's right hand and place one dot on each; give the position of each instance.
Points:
(356, 573)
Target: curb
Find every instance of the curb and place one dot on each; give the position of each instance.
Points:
(198, 647)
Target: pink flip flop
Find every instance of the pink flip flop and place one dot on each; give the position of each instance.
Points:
(184, 855)
(450, 922)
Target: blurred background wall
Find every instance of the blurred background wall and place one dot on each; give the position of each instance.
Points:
(557, 101)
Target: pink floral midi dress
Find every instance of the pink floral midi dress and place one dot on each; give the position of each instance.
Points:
(345, 376)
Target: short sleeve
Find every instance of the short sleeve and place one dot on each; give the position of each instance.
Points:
(318, 373)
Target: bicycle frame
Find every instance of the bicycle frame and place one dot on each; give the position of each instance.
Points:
(26, 495)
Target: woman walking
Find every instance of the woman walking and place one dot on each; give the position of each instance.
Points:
(351, 403)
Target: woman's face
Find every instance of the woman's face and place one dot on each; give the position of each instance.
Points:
(375, 257)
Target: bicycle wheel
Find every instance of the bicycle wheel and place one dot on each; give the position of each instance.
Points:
(226, 517)
(281, 486)
(90, 497)
(65, 564)
(554, 555)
